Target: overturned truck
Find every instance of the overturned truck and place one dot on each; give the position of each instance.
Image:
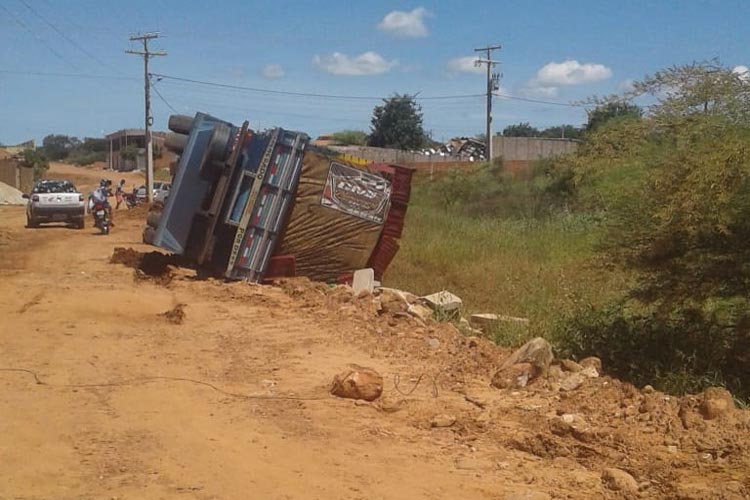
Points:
(251, 205)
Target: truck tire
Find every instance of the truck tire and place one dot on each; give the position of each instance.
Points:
(175, 142)
(180, 123)
(216, 151)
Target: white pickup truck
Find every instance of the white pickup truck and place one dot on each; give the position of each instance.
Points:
(55, 201)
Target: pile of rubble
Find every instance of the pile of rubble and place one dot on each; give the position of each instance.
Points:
(461, 148)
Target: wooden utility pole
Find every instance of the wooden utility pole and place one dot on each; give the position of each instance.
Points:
(492, 85)
(148, 118)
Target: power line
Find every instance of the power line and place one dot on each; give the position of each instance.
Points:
(301, 94)
(67, 75)
(66, 37)
(537, 101)
(37, 37)
(161, 97)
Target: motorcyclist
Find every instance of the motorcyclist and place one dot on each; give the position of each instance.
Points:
(99, 195)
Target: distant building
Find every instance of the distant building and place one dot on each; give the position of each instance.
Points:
(126, 148)
(323, 140)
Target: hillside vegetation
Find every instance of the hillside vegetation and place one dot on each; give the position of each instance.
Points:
(635, 249)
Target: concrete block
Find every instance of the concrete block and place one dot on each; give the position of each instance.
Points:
(444, 301)
(486, 322)
(363, 280)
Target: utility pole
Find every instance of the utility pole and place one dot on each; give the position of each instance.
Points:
(147, 54)
(493, 84)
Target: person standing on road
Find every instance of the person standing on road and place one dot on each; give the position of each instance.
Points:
(119, 193)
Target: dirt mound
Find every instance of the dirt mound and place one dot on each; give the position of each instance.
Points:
(138, 212)
(10, 195)
(154, 266)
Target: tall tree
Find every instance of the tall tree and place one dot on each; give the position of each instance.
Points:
(561, 131)
(614, 108)
(523, 129)
(397, 123)
(58, 147)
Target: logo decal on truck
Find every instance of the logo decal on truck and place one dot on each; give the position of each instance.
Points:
(356, 192)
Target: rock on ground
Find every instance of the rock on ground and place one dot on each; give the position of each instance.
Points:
(572, 382)
(442, 421)
(716, 402)
(536, 351)
(358, 383)
(592, 361)
(619, 480)
(443, 301)
(515, 376)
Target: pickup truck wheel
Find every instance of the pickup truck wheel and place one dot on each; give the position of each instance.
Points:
(31, 222)
(80, 223)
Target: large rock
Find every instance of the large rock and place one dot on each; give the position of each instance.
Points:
(536, 351)
(358, 383)
(592, 361)
(527, 363)
(488, 322)
(572, 382)
(570, 366)
(716, 402)
(514, 377)
(619, 480)
(443, 301)
(419, 311)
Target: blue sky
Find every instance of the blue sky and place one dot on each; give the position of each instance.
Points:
(557, 51)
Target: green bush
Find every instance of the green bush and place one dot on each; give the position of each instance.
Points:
(36, 160)
(678, 351)
(490, 191)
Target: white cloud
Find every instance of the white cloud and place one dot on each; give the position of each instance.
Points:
(405, 24)
(552, 76)
(465, 65)
(272, 71)
(367, 63)
(743, 72)
(571, 72)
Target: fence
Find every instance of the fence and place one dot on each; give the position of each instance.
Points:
(13, 174)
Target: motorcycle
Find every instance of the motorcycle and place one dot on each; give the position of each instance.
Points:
(131, 200)
(101, 218)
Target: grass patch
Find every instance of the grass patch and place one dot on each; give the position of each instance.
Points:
(537, 268)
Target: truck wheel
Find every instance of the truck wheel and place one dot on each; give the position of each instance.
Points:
(81, 223)
(180, 123)
(31, 222)
(215, 151)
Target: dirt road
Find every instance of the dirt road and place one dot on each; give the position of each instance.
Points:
(232, 402)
